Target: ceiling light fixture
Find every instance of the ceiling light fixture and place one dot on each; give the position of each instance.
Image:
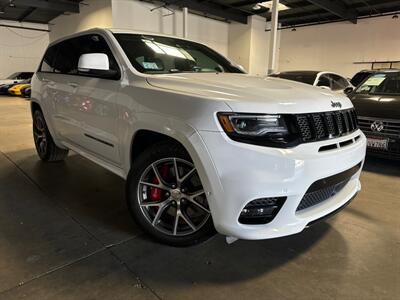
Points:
(268, 4)
(12, 4)
(256, 7)
(2, 11)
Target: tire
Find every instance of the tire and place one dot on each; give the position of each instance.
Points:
(44, 143)
(179, 216)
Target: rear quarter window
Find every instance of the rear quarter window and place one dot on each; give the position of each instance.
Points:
(47, 64)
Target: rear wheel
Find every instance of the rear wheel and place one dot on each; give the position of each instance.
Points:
(166, 197)
(44, 143)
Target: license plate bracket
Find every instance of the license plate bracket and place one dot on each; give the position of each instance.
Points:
(377, 143)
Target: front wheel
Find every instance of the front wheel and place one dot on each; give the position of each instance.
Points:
(166, 197)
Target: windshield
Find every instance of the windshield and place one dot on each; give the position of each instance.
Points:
(304, 78)
(13, 76)
(162, 55)
(359, 77)
(381, 84)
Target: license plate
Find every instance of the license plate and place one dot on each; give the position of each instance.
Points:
(377, 143)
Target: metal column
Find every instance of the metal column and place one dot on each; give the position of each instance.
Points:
(273, 38)
(185, 22)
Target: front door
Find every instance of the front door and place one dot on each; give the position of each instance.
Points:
(88, 115)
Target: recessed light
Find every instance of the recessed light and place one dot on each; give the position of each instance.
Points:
(2, 11)
(12, 4)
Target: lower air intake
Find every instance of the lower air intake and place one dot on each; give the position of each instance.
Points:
(326, 188)
(261, 211)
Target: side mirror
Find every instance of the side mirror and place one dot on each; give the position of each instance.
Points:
(348, 90)
(96, 64)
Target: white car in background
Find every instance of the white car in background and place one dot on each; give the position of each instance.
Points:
(202, 146)
(326, 80)
(16, 77)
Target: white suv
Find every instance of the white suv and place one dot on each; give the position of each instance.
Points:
(202, 146)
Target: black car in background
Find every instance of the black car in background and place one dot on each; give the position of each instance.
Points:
(364, 74)
(377, 102)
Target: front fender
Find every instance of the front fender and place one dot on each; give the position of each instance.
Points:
(188, 137)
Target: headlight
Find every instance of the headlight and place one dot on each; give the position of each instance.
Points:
(262, 129)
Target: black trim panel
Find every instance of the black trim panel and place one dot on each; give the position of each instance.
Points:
(335, 179)
(98, 140)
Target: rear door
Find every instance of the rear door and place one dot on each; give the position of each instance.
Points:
(87, 111)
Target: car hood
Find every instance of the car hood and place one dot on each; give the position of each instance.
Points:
(245, 93)
(386, 107)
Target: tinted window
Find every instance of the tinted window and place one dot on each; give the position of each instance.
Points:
(381, 84)
(48, 60)
(155, 54)
(359, 77)
(338, 82)
(69, 52)
(304, 78)
(324, 80)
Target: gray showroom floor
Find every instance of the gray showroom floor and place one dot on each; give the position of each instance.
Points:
(65, 233)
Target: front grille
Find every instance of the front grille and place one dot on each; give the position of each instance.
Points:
(320, 126)
(313, 198)
(390, 127)
(326, 188)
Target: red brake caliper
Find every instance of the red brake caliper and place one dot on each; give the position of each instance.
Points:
(156, 193)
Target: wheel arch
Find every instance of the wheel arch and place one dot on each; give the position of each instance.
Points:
(144, 138)
(35, 106)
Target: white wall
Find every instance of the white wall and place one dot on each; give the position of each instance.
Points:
(249, 45)
(239, 45)
(137, 15)
(97, 13)
(21, 49)
(336, 46)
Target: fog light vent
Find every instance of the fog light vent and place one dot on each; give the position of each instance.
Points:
(261, 211)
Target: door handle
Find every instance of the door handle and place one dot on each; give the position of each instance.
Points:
(73, 84)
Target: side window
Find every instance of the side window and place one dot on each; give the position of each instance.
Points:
(47, 64)
(338, 83)
(66, 61)
(70, 51)
(324, 81)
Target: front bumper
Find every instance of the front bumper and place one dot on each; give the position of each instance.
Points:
(238, 173)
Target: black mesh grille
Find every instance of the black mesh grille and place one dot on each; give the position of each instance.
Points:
(320, 126)
(326, 188)
(305, 128)
(313, 198)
